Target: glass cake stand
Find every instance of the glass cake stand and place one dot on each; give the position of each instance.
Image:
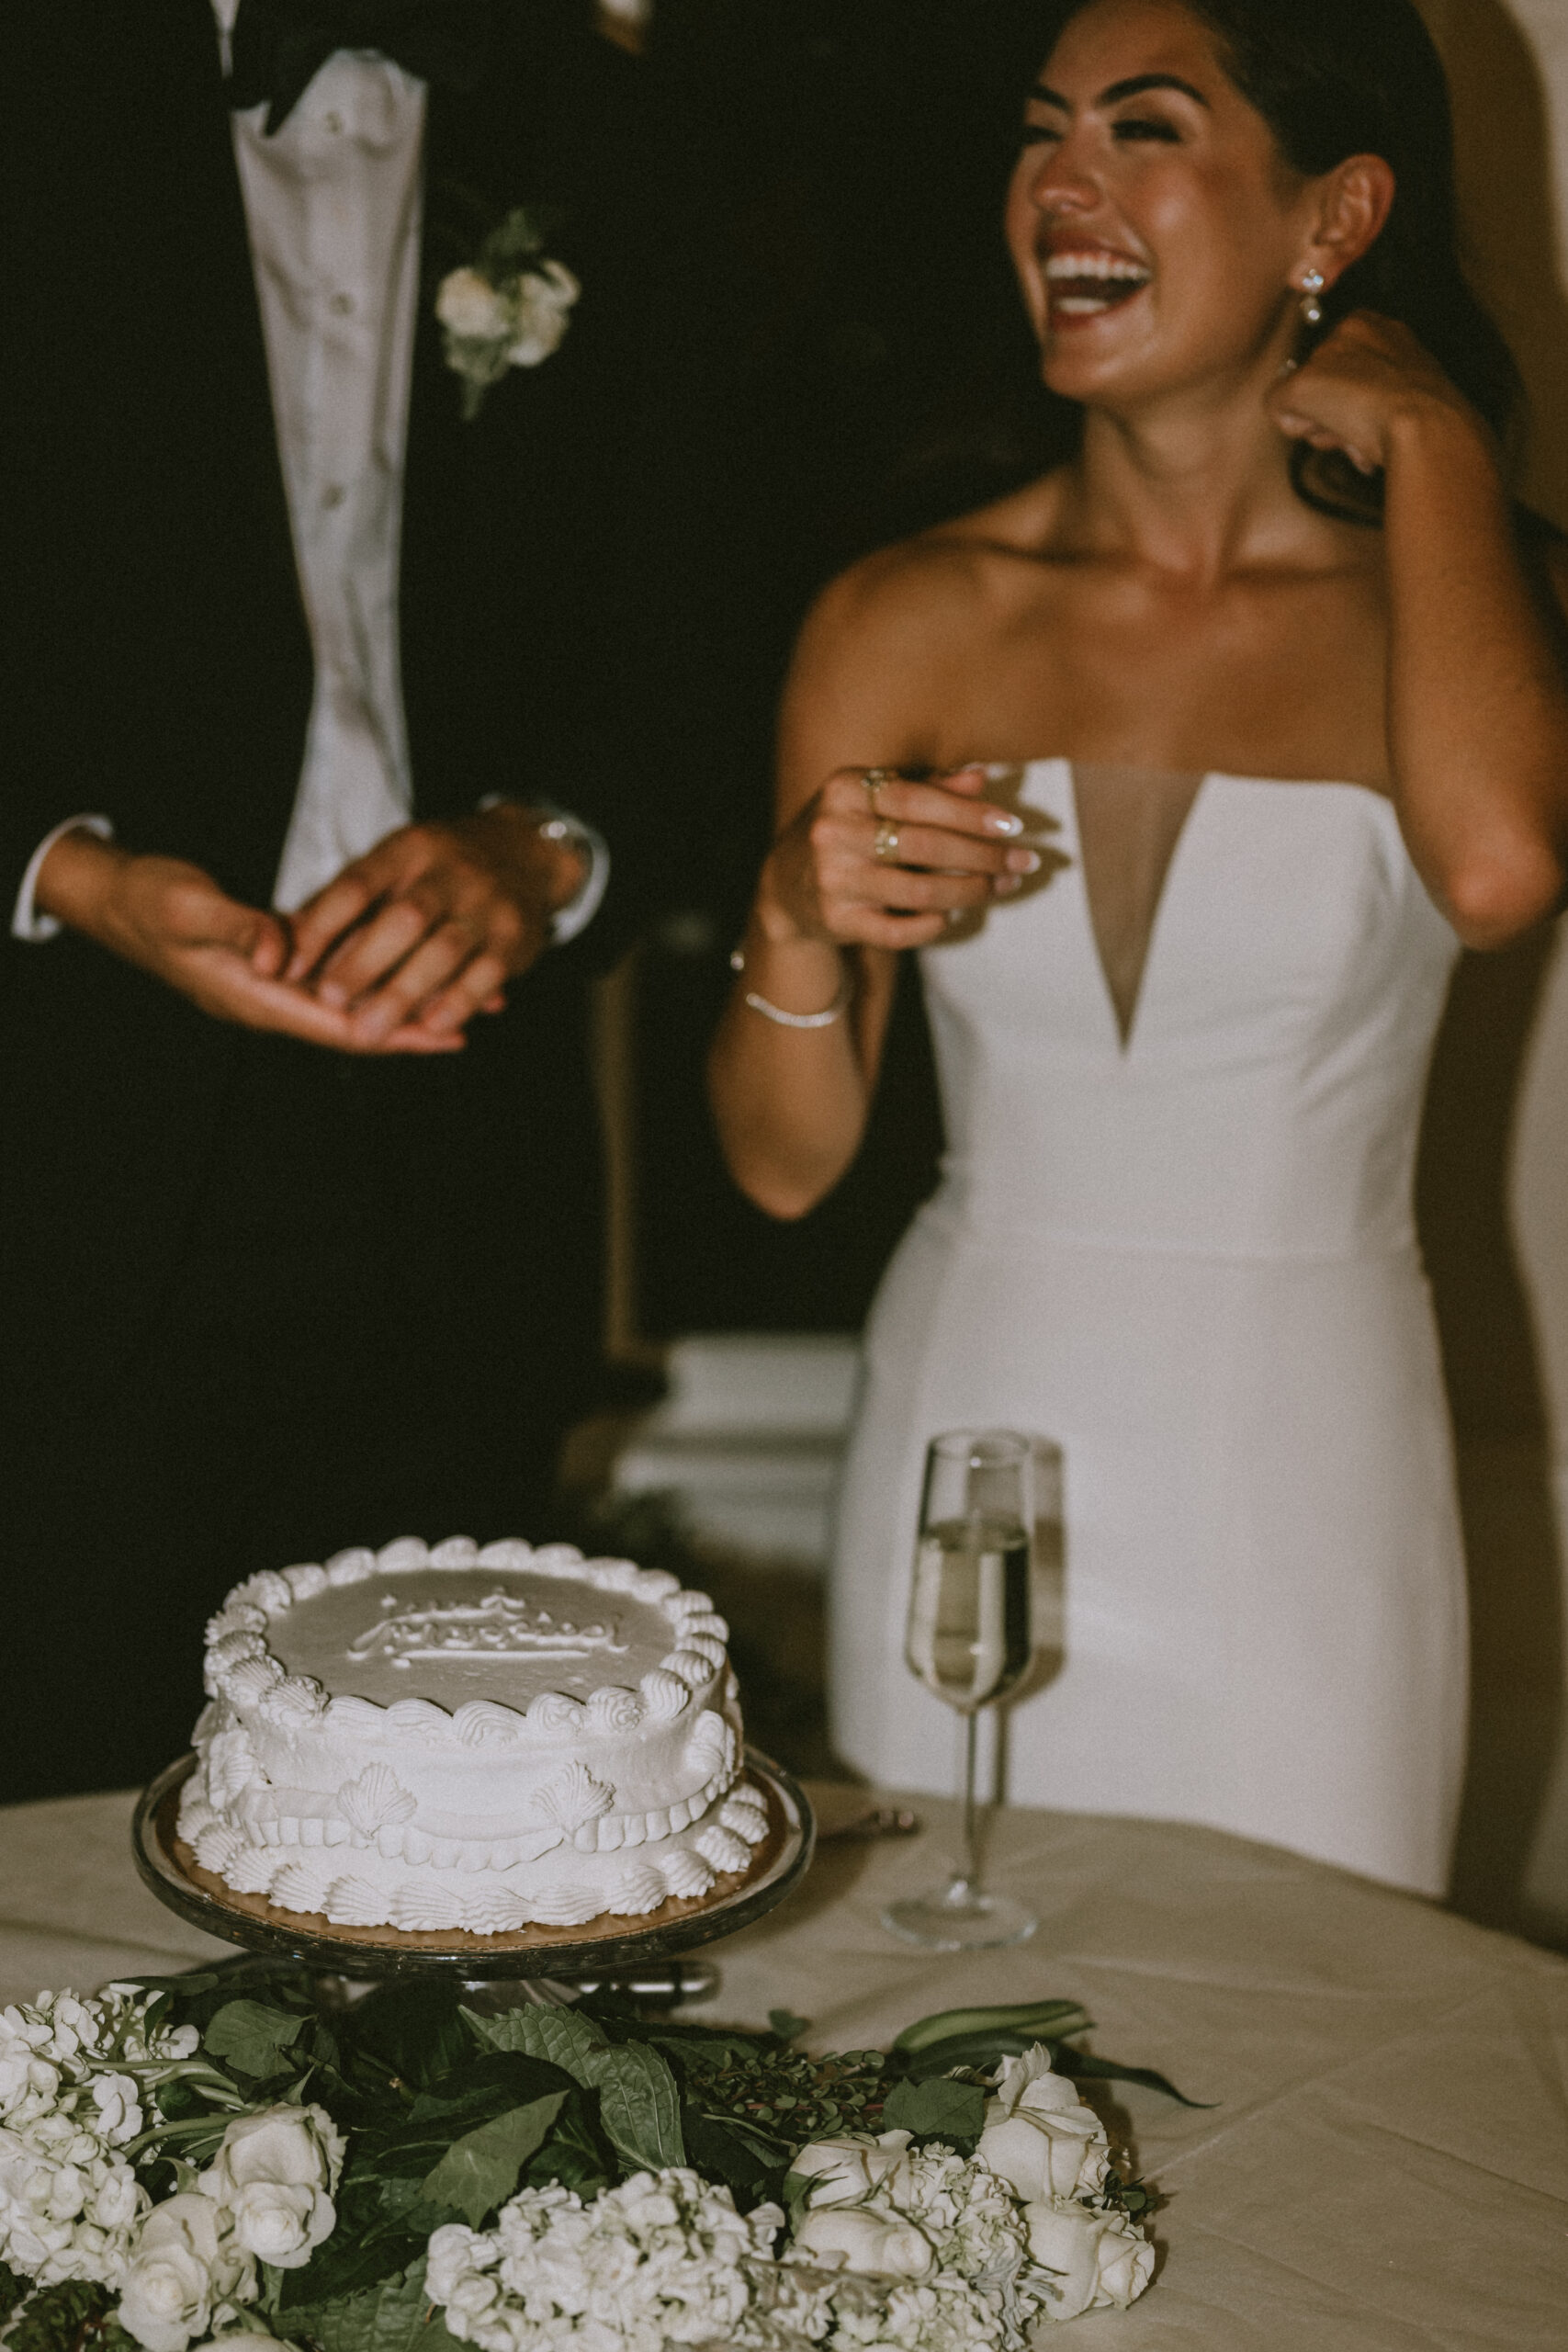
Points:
(548, 1964)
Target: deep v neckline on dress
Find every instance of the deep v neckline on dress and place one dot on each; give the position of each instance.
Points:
(1130, 822)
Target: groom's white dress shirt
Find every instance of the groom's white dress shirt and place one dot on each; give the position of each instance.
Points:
(333, 206)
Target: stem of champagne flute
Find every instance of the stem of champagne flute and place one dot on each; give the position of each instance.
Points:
(968, 1869)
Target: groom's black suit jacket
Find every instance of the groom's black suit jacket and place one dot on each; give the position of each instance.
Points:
(159, 668)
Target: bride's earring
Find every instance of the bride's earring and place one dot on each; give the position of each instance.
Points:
(1312, 283)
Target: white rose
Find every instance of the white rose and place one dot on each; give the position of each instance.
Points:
(279, 2224)
(854, 2238)
(300, 2146)
(469, 306)
(1039, 2136)
(544, 297)
(1098, 2258)
(845, 2170)
(1030, 2081)
(169, 2287)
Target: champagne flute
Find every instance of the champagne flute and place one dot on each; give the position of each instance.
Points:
(971, 1641)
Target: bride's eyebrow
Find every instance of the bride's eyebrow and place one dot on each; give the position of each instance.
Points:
(1133, 88)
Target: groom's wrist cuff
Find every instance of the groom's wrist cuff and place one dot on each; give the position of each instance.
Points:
(26, 923)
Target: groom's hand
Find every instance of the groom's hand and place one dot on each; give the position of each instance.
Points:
(173, 920)
(425, 930)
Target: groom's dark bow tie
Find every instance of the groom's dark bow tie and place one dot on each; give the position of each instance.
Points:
(279, 46)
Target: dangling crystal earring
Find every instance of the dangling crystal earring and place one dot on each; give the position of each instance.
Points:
(1312, 283)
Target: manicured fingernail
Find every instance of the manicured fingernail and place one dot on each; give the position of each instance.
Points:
(1007, 885)
(1024, 861)
(997, 820)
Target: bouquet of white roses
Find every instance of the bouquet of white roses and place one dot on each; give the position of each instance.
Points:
(195, 2160)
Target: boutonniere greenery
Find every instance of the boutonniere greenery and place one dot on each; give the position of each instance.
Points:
(224, 2159)
(509, 307)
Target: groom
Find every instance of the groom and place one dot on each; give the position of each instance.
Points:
(334, 714)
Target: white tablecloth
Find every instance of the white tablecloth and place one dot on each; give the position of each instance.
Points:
(1386, 2167)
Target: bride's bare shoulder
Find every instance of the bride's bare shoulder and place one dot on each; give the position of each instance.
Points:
(968, 572)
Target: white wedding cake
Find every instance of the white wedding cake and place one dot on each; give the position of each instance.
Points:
(455, 1738)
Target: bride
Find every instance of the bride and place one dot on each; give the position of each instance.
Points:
(1187, 769)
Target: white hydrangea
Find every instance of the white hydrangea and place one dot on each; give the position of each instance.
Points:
(79, 2091)
(972, 2221)
(77, 2084)
(663, 2259)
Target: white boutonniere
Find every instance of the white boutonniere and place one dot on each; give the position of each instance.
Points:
(509, 308)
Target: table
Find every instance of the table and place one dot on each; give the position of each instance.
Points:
(1386, 2169)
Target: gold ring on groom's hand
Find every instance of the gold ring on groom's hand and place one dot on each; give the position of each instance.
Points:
(884, 848)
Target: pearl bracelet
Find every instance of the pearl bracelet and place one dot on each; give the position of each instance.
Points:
(792, 1020)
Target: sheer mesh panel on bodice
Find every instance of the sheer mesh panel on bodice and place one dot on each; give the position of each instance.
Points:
(1130, 820)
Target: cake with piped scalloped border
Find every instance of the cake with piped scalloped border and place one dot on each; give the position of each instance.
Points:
(457, 1738)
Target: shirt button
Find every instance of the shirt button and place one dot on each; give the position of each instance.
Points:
(333, 494)
(341, 305)
(332, 122)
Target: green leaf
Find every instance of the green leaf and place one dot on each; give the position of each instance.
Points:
(480, 2171)
(787, 2025)
(639, 2105)
(251, 2036)
(562, 2036)
(770, 2149)
(13, 2287)
(1081, 2065)
(953, 2111)
(396, 2316)
(720, 2153)
(577, 2155)
(1037, 2020)
(60, 2317)
(411, 2028)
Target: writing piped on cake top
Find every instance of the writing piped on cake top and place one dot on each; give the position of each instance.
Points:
(501, 1625)
(536, 1639)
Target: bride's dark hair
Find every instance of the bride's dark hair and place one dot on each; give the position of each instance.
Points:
(1335, 78)
(1332, 79)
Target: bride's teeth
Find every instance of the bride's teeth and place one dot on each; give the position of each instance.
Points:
(1094, 264)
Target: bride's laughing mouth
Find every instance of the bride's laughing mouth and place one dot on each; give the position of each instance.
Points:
(1087, 282)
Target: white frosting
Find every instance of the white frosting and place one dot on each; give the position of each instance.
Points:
(450, 1737)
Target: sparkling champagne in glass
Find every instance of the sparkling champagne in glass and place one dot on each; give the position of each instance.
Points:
(971, 1641)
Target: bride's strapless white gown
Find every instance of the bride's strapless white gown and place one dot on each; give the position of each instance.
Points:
(1174, 1232)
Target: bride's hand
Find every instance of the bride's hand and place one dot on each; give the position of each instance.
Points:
(1360, 385)
(890, 865)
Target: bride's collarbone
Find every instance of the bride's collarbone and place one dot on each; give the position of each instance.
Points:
(1283, 682)
(1312, 721)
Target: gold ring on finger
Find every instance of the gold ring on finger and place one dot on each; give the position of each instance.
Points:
(874, 778)
(885, 849)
